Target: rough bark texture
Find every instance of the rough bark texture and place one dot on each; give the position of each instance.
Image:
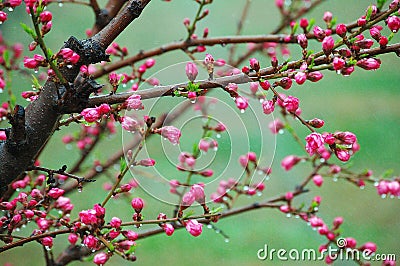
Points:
(33, 126)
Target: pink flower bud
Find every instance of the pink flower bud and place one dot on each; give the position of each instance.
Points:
(318, 180)
(289, 161)
(289, 196)
(147, 162)
(370, 246)
(285, 83)
(209, 59)
(220, 127)
(130, 235)
(316, 221)
(341, 30)
(47, 241)
(300, 78)
(103, 109)
(369, 63)
(303, 23)
(129, 124)
(55, 193)
(265, 84)
(327, 17)
(198, 193)
(45, 16)
(72, 238)
(207, 173)
(137, 204)
(347, 138)
(338, 63)
(302, 40)
(375, 33)
(194, 227)
(134, 102)
(243, 161)
(342, 155)
(275, 126)
(187, 199)
(168, 229)
(242, 103)
(171, 133)
(3, 16)
(327, 44)
(315, 76)
(100, 258)
(254, 64)
(316, 123)
(14, 3)
(246, 70)
(350, 242)
(383, 41)
(361, 21)
(115, 222)
(279, 3)
(253, 87)
(191, 71)
(186, 22)
(252, 156)
(90, 114)
(232, 87)
(284, 208)
(150, 62)
(319, 33)
(204, 145)
(337, 221)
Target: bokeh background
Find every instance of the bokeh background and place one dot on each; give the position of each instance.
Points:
(365, 103)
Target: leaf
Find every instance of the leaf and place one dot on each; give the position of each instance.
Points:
(88, 258)
(388, 173)
(6, 57)
(28, 30)
(295, 27)
(195, 148)
(13, 100)
(36, 83)
(369, 13)
(310, 24)
(333, 22)
(390, 36)
(122, 164)
(216, 210)
(188, 214)
(380, 3)
(131, 250)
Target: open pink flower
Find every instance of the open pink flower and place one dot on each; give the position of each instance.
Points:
(171, 133)
(314, 141)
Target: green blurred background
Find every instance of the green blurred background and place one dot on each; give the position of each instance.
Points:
(365, 103)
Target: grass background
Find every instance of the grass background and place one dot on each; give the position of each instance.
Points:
(365, 103)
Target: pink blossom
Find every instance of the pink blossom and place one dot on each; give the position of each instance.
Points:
(268, 107)
(279, 3)
(168, 229)
(45, 16)
(90, 241)
(327, 17)
(14, 3)
(375, 32)
(254, 64)
(327, 44)
(337, 221)
(198, 193)
(314, 141)
(55, 193)
(288, 196)
(209, 59)
(291, 103)
(346, 137)
(383, 41)
(285, 83)
(300, 78)
(369, 63)
(43, 224)
(265, 84)
(302, 40)
(338, 63)
(220, 127)
(242, 103)
(289, 161)
(370, 246)
(72, 238)
(394, 188)
(90, 114)
(115, 222)
(137, 204)
(47, 241)
(194, 227)
(188, 199)
(342, 155)
(171, 133)
(253, 87)
(393, 23)
(232, 87)
(100, 258)
(3, 17)
(150, 62)
(341, 30)
(303, 23)
(88, 217)
(191, 95)
(204, 145)
(316, 221)
(350, 242)
(316, 123)
(129, 124)
(130, 235)
(319, 33)
(318, 180)
(191, 71)
(284, 208)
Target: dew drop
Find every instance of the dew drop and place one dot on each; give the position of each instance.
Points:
(217, 231)
(193, 101)
(322, 160)
(246, 188)
(259, 193)
(60, 4)
(267, 177)
(281, 131)
(24, 226)
(209, 226)
(124, 85)
(69, 66)
(215, 149)
(260, 172)
(376, 183)
(297, 216)
(334, 179)
(79, 189)
(36, 71)
(1, 22)
(242, 111)
(226, 240)
(17, 189)
(17, 229)
(315, 208)
(261, 100)
(338, 72)
(98, 168)
(47, 248)
(288, 215)
(10, 9)
(391, 196)
(218, 136)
